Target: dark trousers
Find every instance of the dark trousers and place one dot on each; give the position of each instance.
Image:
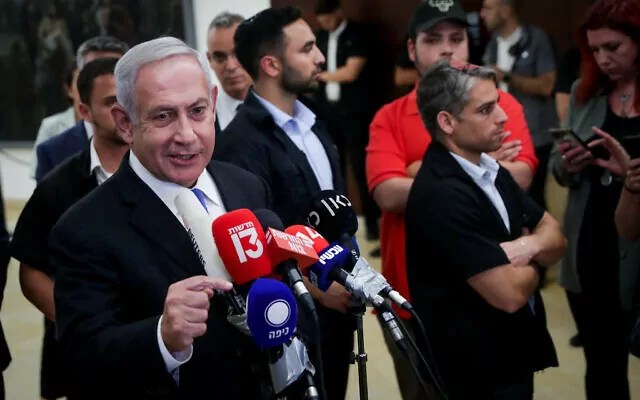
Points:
(537, 189)
(604, 331)
(350, 132)
(520, 388)
(337, 346)
(52, 371)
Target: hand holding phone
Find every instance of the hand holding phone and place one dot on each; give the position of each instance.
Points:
(567, 135)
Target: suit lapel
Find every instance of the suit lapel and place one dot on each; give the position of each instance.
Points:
(230, 196)
(155, 222)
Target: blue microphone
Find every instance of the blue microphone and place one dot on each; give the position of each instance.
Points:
(331, 261)
(272, 313)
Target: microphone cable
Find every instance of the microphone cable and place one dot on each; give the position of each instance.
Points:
(434, 375)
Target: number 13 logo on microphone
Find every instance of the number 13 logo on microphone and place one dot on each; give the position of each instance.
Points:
(246, 242)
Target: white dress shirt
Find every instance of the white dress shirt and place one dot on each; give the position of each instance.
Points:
(298, 129)
(167, 192)
(484, 174)
(332, 89)
(226, 108)
(95, 167)
(505, 60)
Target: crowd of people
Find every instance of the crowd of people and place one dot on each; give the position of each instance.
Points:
(459, 162)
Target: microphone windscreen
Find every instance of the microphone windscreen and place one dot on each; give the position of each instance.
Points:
(331, 214)
(333, 256)
(269, 219)
(198, 224)
(308, 235)
(272, 313)
(283, 246)
(242, 245)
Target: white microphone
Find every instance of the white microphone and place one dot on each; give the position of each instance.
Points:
(198, 224)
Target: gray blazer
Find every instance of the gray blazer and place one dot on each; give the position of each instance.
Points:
(581, 118)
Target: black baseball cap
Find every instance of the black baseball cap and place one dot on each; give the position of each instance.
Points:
(432, 12)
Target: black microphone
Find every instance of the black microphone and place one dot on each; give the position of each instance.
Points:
(332, 215)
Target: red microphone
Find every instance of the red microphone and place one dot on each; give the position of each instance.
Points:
(241, 243)
(284, 246)
(309, 236)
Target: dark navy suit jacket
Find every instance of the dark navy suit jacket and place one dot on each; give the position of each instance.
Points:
(55, 150)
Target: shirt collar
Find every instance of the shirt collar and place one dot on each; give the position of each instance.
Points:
(226, 102)
(486, 169)
(302, 115)
(88, 128)
(339, 29)
(167, 191)
(95, 165)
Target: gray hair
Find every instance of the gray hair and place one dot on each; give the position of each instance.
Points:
(99, 43)
(446, 88)
(225, 20)
(145, 53)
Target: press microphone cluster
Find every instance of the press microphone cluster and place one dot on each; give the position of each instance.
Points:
(332, 215)
(251, 258)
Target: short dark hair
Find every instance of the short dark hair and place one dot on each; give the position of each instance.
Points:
(99, 43)
(225, 20)
(446, 88)
(327, 6)
(263, 34)
(91, 71)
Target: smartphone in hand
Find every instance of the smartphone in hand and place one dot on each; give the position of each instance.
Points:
(632, 145)
(568, 135)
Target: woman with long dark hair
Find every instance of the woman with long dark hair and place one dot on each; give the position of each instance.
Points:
(605, 98)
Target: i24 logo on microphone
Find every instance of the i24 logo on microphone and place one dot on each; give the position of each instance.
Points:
(245, 241)
(332, 205)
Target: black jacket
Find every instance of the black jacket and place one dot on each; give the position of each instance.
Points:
(116, 252)
(254, 142)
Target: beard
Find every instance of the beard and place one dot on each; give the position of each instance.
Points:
(294, 82)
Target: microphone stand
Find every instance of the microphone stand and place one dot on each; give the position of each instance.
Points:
(361, 357)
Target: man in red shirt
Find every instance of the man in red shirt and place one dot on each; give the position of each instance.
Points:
(398, 141)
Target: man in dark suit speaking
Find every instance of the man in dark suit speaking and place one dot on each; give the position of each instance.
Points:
(133, 304)
(475, 242)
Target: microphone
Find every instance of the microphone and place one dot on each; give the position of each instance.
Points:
(286, 253)
(332, 215)
(240, 242)
(363, 282)
(272, 312)
(197, 222)
(272, 317)
(241, 245)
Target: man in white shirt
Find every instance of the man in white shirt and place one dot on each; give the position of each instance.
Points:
(134, 307)
(234, 80)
